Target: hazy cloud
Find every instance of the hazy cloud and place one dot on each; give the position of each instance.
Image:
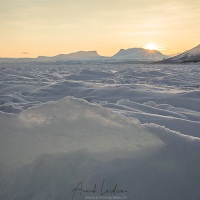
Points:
(24, 53)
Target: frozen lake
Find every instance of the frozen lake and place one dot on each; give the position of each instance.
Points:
(134, 125)
(163, 94)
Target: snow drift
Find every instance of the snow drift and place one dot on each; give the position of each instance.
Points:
(46, 151)
(65, 126)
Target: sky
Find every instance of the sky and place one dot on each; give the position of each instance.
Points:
(30, 28)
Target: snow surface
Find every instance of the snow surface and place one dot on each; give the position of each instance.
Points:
(137, 126)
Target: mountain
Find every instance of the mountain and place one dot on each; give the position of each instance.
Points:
(192, 55)
(77, 56)
(133, 55)
(139, 54)
(81, 55)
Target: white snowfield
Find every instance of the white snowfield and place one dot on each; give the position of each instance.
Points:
(137, 126)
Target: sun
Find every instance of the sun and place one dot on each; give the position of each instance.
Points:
(151, 46)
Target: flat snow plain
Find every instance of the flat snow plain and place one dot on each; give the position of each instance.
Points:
(137, 126)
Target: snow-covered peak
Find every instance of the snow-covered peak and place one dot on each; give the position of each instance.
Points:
(194, 51)
(139, 54)
(192, 55)
(80, 55)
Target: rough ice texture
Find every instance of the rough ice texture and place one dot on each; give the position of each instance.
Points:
(120, 132)
(167, 95)
(48, 150)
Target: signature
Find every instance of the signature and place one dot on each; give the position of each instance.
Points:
(102, 190)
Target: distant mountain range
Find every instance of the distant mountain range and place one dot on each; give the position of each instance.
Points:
(77, 56)
(133, 54)
(192, 55)
(129, 55)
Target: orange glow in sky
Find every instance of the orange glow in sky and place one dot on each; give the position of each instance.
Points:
(48, 27)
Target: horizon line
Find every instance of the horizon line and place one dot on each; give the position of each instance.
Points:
(88, 51)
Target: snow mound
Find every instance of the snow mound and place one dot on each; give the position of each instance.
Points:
(46, 151)
(66, 126)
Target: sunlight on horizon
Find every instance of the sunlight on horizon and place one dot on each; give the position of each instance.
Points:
(151, 46)
(62, 27)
